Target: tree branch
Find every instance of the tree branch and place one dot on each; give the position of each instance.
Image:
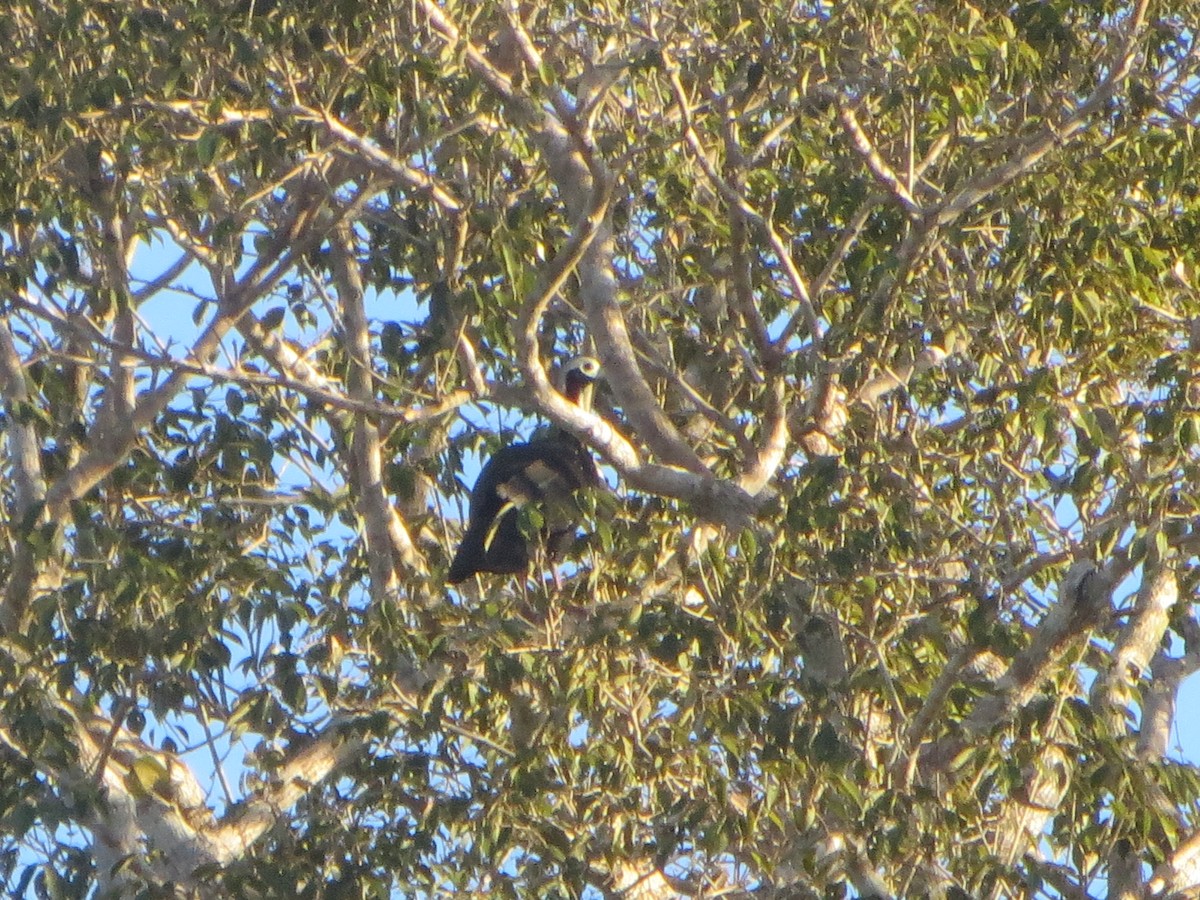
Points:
(1137, 643)
(366, 450)
(879, 167)
(30, 487)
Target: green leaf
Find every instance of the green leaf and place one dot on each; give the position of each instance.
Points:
(208, 145)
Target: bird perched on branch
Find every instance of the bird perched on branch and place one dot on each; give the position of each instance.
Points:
(547, 470)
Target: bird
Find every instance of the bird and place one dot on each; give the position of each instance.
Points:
(547, 470)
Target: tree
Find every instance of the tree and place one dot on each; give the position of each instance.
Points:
(893, 595)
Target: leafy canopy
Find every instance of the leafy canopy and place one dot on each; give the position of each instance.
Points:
(895, 307)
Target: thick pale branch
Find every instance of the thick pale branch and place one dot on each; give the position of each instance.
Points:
(148, 797)
(892, 380)
(362, 149)
(1159, 699)
(617, 354)
(23, 450)
(307, 768)
(564, 109)
(498, 81)
(1125, 880)
(119, 392)
(30, 488)
(585, 185)
(1025, 815)
(879, 167)
(1141, 638)
(1180, 875)
(154, 802)
(367, 449)
(761, 468)
(1137, 643)
(1083, 599)
(578, 179)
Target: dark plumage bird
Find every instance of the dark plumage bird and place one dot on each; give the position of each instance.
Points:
(547, 470)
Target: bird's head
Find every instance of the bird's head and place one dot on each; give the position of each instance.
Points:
(579, 380)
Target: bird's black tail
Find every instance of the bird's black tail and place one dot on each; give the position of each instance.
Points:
(467, 560)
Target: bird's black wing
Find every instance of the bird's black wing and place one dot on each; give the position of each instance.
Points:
(547, 471)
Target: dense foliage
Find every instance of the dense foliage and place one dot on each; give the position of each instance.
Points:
(892, 595)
